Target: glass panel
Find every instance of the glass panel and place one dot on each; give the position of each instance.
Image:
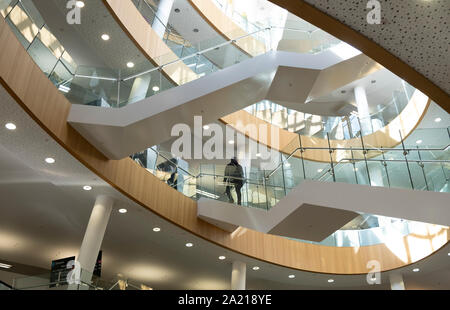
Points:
(61, 76)
(23, 23)
(42, 56)
(94, 86)
(6, 6)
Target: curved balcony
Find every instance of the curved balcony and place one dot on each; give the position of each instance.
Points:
(335, 127)
(26, 83)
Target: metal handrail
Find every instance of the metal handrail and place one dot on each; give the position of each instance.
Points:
(160, 67)
(353, 149)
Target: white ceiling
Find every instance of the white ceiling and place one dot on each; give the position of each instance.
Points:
(83, 41)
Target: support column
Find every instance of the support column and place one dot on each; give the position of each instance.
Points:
(238, 275)
(93, 236)
(397, 283)
(163, 14)
(140, 88)
(363, 109)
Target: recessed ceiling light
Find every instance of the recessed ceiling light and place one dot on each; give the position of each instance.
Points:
(155, 88)
(448, 253)
(355, 169)
(291, 276)
(437, 119)
(177, 10)
(6, 266)
(416, 270)
(105, 37)
(50, 160)
(222, 257)
(330, 280)
(189, 245)
(288, 164)
(231, 142)
(156, 229)
(419, 141)
(258, 154)
(10, 126)
(206, 127)
(87, 187)
(123, 211)
(319, 170)
(80, 4)
(130, 64)
(255, 268)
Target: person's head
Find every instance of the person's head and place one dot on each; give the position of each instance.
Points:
(234, 161)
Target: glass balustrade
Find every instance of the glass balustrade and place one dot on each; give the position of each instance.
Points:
(418, 168)
(86, 281)
(113, 87)
(366, 166)
(337, 127)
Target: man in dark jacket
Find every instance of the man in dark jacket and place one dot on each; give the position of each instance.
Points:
(234, 175)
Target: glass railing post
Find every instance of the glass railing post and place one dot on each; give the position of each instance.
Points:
(384, 163)
(282, 172)
(301, 154)
(365, 156)
(423, 168)
(330, 150)
(265, 189)
(405, 153)
(354, 165)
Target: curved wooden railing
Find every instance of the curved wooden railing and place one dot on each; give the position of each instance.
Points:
(148, 41)
(31, 89)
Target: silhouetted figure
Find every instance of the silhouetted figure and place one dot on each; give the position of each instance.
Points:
(234, 175)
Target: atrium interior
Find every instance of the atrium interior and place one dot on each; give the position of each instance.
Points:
(224, 144)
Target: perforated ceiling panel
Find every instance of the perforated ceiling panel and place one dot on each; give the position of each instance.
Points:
(416, 31)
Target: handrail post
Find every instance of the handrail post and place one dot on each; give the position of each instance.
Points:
(282, 171)
(265, 188)
(301, 154)
(365, 157)
(405, 153)
(354, 165)
(384, 163)
(421, 164)
(330, 150)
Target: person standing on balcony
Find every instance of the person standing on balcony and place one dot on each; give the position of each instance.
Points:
(234, 175)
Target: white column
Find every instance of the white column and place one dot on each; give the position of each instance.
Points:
(140, 88)
(397, 283)
(363, 109)
(93, 236)
(163, 14)
(376, 175)
(238, 275)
